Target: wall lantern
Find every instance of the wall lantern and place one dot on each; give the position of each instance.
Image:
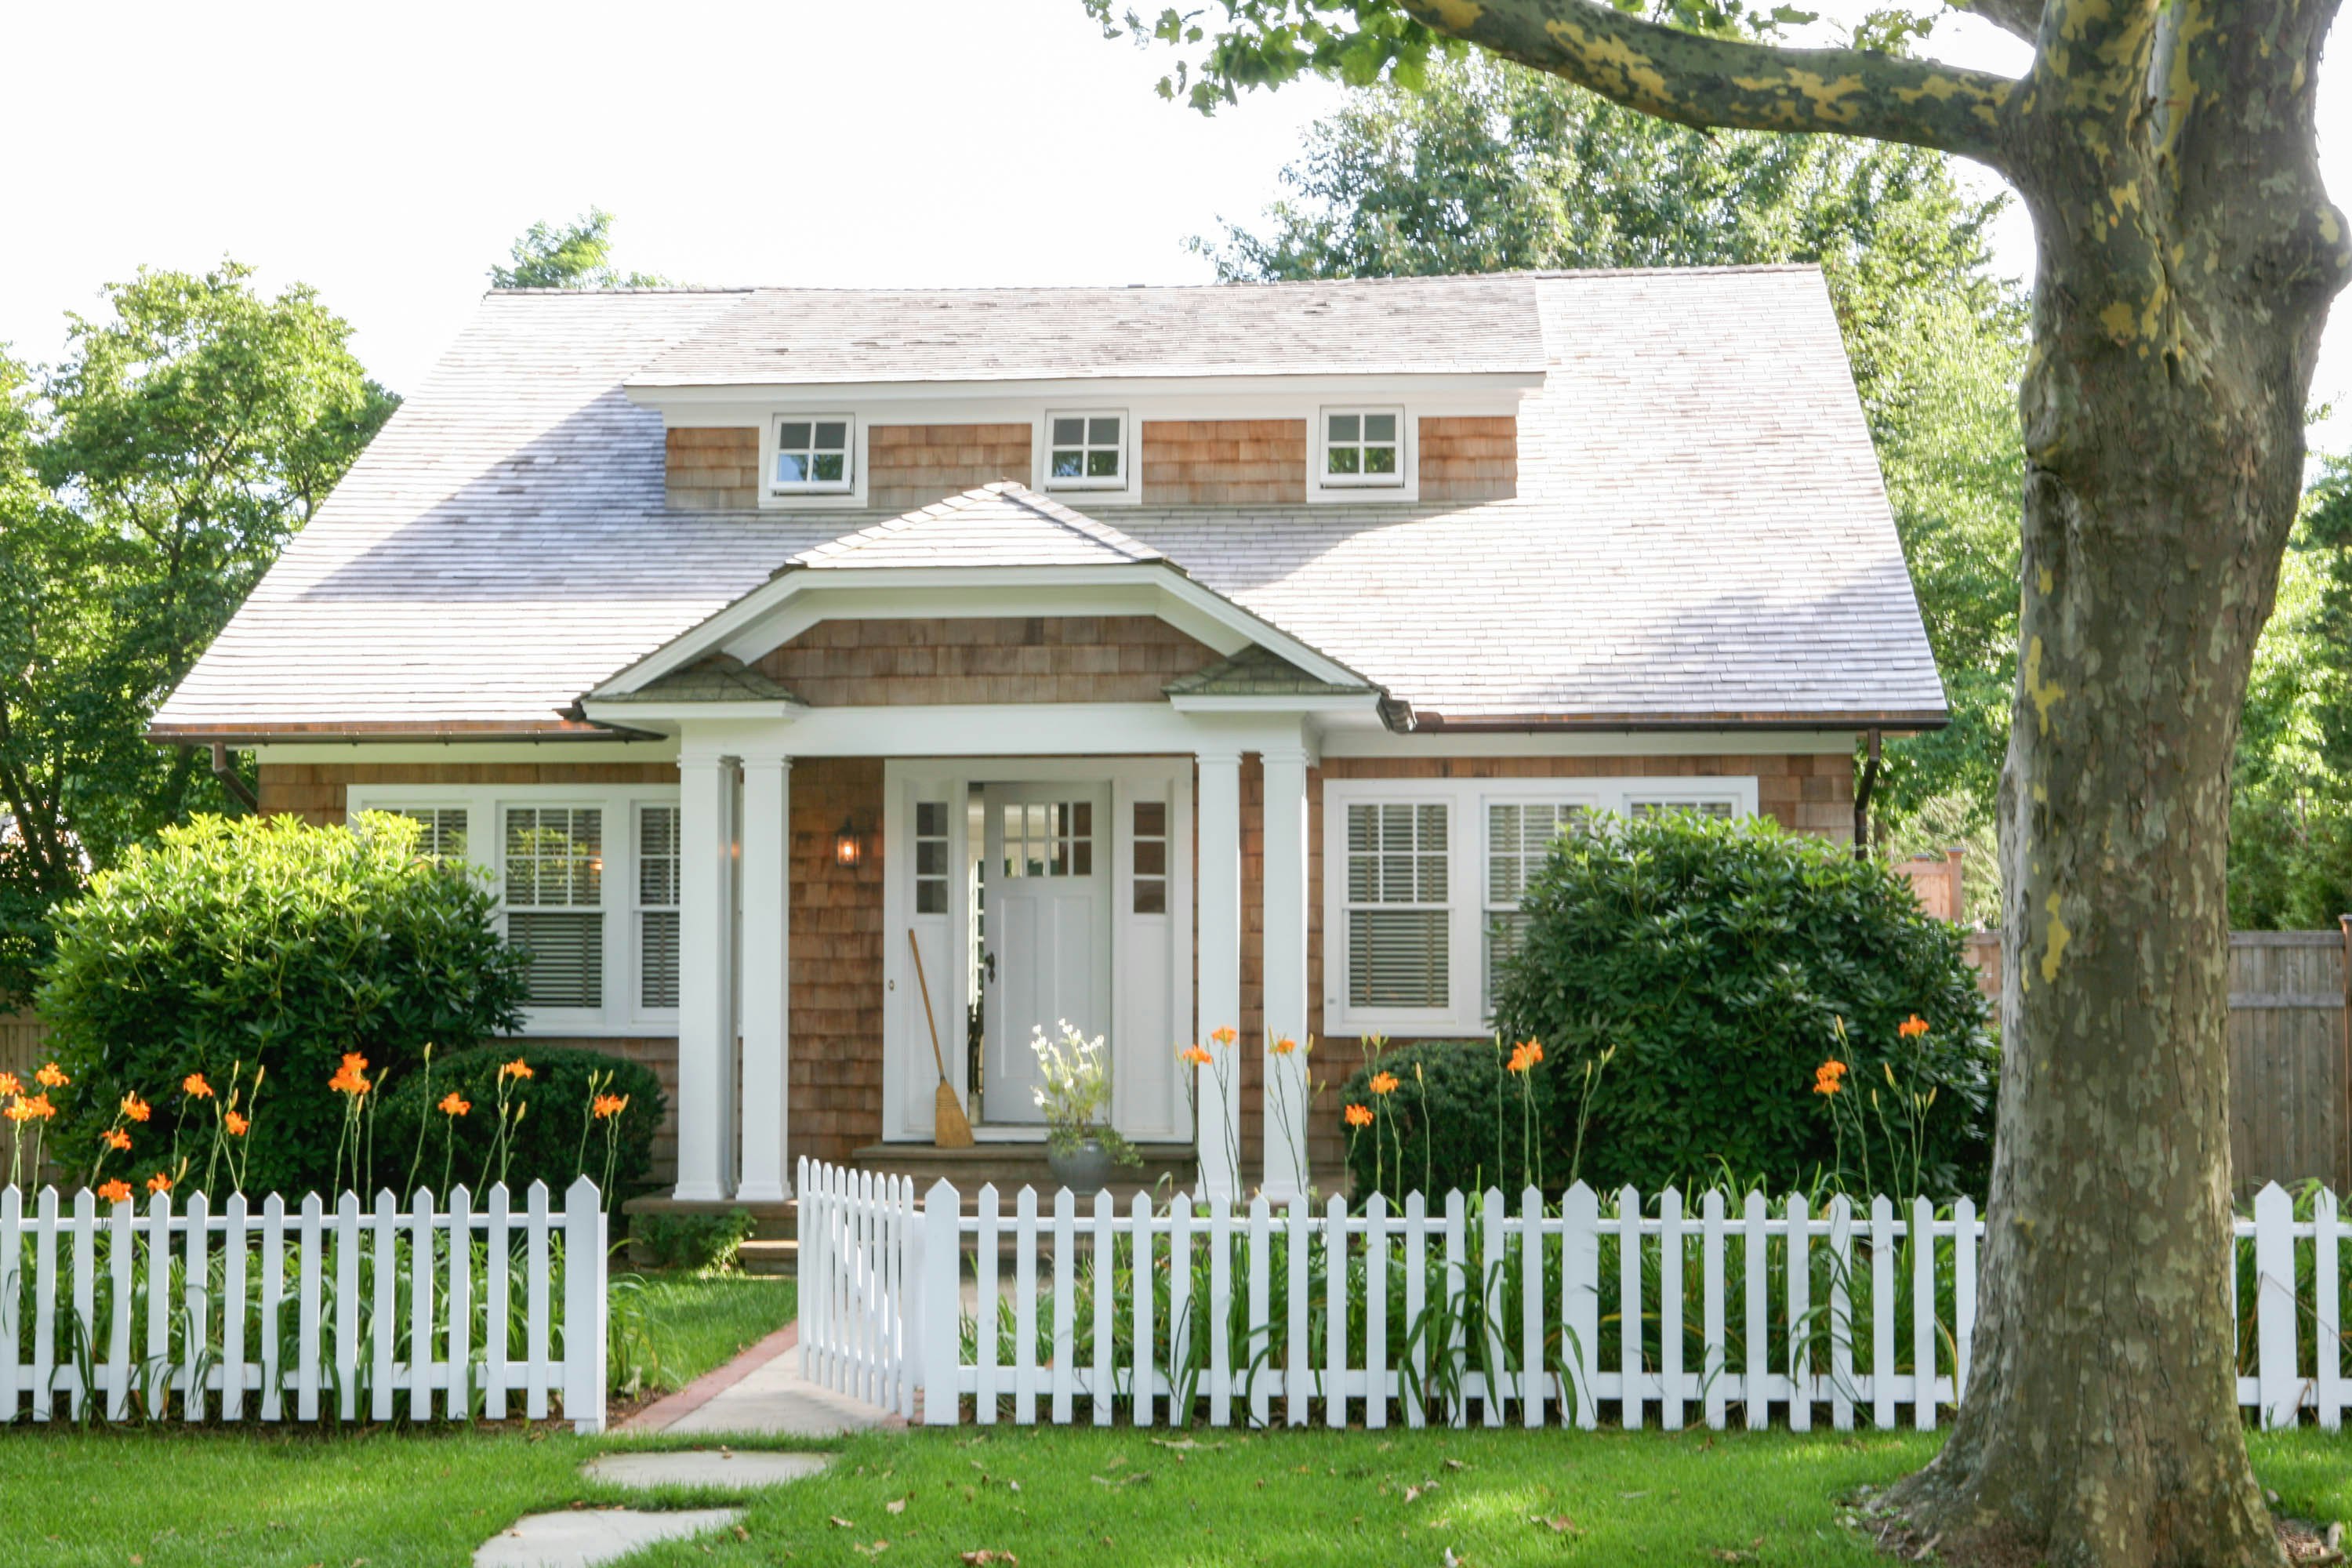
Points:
(846, 849)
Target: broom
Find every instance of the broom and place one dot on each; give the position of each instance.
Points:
(950, 1128)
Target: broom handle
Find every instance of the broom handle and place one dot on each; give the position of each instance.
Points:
(938, 1060)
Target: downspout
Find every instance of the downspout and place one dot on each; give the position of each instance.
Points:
(232, 781)
(1862, 798)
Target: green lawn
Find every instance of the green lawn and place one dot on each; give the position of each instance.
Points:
(691, 1323)
(212, 1499)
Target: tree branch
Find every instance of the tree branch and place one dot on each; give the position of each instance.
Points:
(2019, 18)
(1710, 83)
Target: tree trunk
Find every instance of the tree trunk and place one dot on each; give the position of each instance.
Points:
(2163, 444)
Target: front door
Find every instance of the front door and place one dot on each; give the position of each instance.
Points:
(1046, 953)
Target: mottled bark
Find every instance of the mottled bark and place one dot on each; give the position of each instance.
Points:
(2188, 253)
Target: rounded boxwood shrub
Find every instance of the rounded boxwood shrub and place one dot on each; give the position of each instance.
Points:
(1726, 962)
(1455, 1120)
(549, 1115)
(233, 943)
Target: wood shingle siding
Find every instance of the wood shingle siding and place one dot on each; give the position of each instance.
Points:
(1010, 659)
(1468, 459)
(835, 1073)
(1225, 462)
(912, 465)
(712, 470)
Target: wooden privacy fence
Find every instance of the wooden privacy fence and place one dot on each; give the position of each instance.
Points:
(258, 1314)
(1493, 1309)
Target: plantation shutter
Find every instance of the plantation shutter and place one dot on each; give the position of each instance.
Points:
(554, 895)
(1519, 835)
(1397, 919)
(444, 829)
(657, 907)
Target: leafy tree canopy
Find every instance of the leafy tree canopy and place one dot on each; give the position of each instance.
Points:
(146, 482)
(576, 255)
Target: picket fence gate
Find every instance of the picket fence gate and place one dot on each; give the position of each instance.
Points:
(1840, 1310)
(219, 1336)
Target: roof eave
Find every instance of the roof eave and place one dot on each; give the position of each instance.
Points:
(272, 733)
(1889, 719)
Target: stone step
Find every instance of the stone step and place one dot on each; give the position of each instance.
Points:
(777, 1259)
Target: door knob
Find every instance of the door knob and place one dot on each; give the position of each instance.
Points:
(988, 965)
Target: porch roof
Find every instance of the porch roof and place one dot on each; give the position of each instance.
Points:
(1002, 525)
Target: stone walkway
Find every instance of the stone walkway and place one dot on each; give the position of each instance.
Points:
(762, 1392)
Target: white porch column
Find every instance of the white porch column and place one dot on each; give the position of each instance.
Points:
(1217, 1132)
(766, 978)
(706, 1073)
(1285, 968)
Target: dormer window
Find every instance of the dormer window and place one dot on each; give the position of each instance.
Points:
(1362, 446)
(1086, 450)
(812, 454)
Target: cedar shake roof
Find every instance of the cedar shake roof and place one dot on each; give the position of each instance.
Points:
(720, 678)
(1002, 525)
(1255, 671)
(1700, 535)
(802, 337)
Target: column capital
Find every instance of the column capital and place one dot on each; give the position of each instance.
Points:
(1298, 755)
(1219, 754)
(766, 759)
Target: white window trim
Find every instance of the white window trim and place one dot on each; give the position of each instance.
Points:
(1358, 481)
(616, 885)
(1321, 487)
(1467, 799)
(839, 497)
(1125, 481)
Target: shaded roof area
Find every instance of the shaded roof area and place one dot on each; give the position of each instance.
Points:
(718, 678)
(1254, 672)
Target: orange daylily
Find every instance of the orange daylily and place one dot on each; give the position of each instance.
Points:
(135, 1108)
(607, 1105)
(352, 1076)
(52, 1076)
(455, 1104)
(117, 1191)
(1912, 1027)
(158, 1183)
(1193, 1055)
(516, 1068)
(1384, 1083)
(1226, 1035)
(32, 1108)
(1360, 1116)
(115, 1138)
(236, 1124)
(11, 1084)
(1828, 1076)
(1284, 1045)
(1524, 1056)
(194, 1087)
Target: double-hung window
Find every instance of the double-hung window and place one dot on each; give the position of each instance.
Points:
(658, 861)
(441, 829)
(812, 455)
(1399, 928)
(1519, 835)
(1086, 450)
(553, 878)
(1363, 447)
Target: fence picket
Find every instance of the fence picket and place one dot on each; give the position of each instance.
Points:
(1755, 1375)
(2328, 1317)
(1881, 1314)
(1800, 1269)
(1964, 1293)
(1024, 1307)
(1670, 1310)
(1842, 1389)
(84, 1329)
(1257, 1344)
(1533, 1374)
(1712, 1376)
(458, 1402)
(583, 1305)
(233, 1245)
(1298, 1361)
(45, 1296)
(159, 1304)
(1335, 1313)
(1376, 1311)
(1629, 1309)
(1066, 1286)
(943, 1285)
(1220, 1310)
(12, 1296)
(497, 1314)
(1580, 1291)
(308, 1316)
(535, 1325)
(195, 1322)
(272, 1306)
(1457, 1304)
(420, 1307)
(1416, 1307)
(1180, 1404)
(2275, 1306)
(120, 1256)
(1923, 1311)
(985, 1311)
(1106, 1257)
(1492, 1261)
(1146, 1372)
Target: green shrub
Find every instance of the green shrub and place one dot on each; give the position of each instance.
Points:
(705, 1243)
(1455, 1120)
(1721, 960)
(238, 943)
(552, 1138)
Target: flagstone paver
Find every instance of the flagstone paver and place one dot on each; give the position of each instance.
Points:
(581, 1538)
(733, 1468)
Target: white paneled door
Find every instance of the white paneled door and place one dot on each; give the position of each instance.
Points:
(1046, 955)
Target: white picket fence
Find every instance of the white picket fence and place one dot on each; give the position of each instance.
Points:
(259, 1314)
(1840, 1314)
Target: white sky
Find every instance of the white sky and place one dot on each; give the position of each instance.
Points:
(388, 156)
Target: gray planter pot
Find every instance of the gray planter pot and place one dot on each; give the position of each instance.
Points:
(1085, 1170)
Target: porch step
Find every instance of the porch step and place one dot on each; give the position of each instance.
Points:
(774, 1259)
